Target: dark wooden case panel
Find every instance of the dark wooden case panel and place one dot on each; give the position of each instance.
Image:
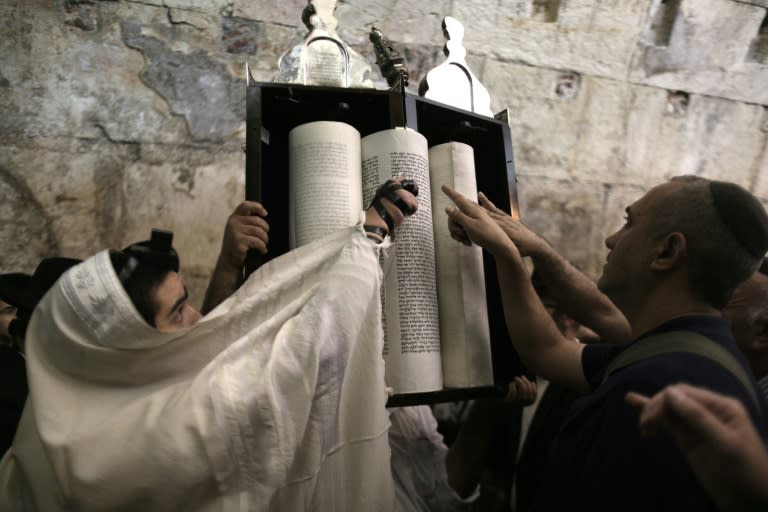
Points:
(272, 110)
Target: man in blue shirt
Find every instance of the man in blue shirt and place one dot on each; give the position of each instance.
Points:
(671, 268)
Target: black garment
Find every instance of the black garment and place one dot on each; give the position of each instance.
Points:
(601, 463)
(530, 470)
(13, 394)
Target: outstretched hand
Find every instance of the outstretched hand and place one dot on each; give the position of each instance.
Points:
(716, 436)
(522, 391)
(471, 223)
(246, 229)
(526, 241)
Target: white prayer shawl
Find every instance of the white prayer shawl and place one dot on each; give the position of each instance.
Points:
(274, 401)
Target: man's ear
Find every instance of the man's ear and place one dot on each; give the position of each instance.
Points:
(671, 250)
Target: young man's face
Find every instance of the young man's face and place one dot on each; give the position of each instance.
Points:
(7, 313)
(173, 313)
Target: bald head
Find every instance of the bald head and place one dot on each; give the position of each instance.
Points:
(726, 232)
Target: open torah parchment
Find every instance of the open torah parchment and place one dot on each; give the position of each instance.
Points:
(435, 315)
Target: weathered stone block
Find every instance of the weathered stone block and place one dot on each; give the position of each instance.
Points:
(117, 116)
(569, 215)
(25, 228)
(759, 3)
(285, 12)
(189, 191)
(544, 126)
(200, 21)
(67, 82)
(82, 15)
(615, 132)
(207, 6)
(576, 41)
(760, 176)
(685, 49)
(402, 21)
(77, 185)
(195, 84)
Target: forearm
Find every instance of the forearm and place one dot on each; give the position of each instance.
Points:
(579, 296)
(744, 486)
(538, 341)
(224, 282)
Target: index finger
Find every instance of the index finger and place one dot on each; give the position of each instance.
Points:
(487, 204)
(464, 204)
(636, 399)
(687, 417)
(720, 405)
(250, 208)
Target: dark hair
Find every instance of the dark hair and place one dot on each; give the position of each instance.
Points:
(142, 283)
(25, 292)
(726, 232)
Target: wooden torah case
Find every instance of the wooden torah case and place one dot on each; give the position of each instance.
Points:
(273, 109)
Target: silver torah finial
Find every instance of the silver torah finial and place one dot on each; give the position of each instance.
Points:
(452, 82)
(391, 63)
(323, 58)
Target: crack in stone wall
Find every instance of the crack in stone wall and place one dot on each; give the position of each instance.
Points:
(195, 85)
(116, 117)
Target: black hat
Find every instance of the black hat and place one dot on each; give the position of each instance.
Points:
(744, 216)
(158, 251)
(25, 291)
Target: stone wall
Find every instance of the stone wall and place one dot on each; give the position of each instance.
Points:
(117, 116)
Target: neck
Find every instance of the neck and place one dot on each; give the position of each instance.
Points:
(662, 307)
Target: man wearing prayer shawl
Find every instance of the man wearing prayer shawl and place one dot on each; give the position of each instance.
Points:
(273, 401)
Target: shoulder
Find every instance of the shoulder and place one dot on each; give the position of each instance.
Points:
(653, 374)
(595, 359)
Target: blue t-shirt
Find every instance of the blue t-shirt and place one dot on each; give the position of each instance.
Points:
(599, 461)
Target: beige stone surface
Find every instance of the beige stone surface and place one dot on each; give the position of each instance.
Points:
(706, 52)
(285, 12)
(617, 132)
(119, 116)
(567, 214)
(588, 36)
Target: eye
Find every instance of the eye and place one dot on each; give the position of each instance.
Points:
(178, 315)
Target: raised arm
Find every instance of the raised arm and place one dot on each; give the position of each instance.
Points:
(468, 455)
(717, 438)
(574, 292)
(538, 341)
(246, 229)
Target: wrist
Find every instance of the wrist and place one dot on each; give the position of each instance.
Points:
(506, 251)
(544, 255)
(228, 266)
